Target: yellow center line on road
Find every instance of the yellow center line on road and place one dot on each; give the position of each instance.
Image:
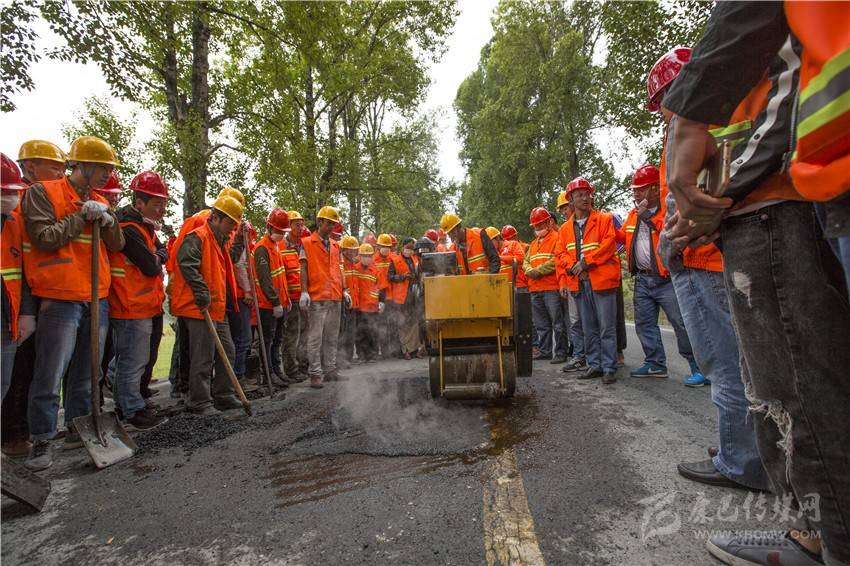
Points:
(509, 536)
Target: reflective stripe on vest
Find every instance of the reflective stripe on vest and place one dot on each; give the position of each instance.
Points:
(277, 272)
(11, 267)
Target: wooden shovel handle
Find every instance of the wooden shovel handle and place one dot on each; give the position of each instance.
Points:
(223, 355)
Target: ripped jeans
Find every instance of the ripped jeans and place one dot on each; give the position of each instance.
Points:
(789, 304)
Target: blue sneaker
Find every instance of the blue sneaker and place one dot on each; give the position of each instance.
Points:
(697, 380)
(648, 371)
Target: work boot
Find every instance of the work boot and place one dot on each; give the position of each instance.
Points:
(144, 420)
(175, 393)
(40, 457)
(316, 381)
(298, 376)
(207, 411)
(19, 448)
(72, 440)
(248, 385)
(151, 405)
(227, 403)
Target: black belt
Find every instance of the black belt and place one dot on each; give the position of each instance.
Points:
(644, 272)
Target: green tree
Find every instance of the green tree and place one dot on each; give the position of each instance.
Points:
(17, 49)
(98, 118)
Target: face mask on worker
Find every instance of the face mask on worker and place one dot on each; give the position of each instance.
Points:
(365, 260)
(407, 253)
(384, 252)
(8, 203)
(542, 232)
(276, 237)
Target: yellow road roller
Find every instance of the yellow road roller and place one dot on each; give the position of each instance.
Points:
(478, 331)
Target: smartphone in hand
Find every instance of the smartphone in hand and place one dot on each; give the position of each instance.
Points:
(714, 179)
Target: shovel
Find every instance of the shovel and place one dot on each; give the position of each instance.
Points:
(223, 355)
(263, 354)
(105, 439)
(22, 485)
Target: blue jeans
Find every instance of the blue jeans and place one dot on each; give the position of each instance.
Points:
(548, 317)
(240, 331)
(576, 333)
(652, 293)
(9, 347)
(705, 310)
(132, 339)
(788, 300)
(598, 313)
(273, 331)
(62, 340)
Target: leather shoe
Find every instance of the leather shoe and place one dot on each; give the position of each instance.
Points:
(540, 357)
(591, 373)
(706, 472)
(713, 451)
(609, 378)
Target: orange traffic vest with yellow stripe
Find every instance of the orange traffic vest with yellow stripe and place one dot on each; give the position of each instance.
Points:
(475, 256)
(292, 267)
(134, 295)
(400, 289)
(513, 250)
(382, 265)
(599, 245)
(367, 288)
(324, 270)
(629, 228)
(216, 270)
(539, 252)
(189, 225)
(12, 266)
(65, 273)
(352, 281)
(277, 271)
(820, 165)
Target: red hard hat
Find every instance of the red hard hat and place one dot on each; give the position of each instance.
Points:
(305, 233)
(112, 186)
(577, 184)
(370, 239)
(646, 175)
(440, 234)
(10, 175)
(278, 218)
(432, 235)
(664, 71)
(395, 242)
(508, 231)
(339, 229)
(539, 215)
(150, 183)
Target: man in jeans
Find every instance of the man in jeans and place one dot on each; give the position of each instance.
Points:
(546, 311)
(652, 290)
(58, 267)
(322, 292)
(295, 335)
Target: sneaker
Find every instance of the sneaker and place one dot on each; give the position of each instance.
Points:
(558, 360)
(591, 373)
(298, 376)
(770, 548)
(227, 403)
(696, 380)
(316, 381)
(574, 364)
(40, 457)
(609, 378)
(539, 356)
(144, 420)
(72, 441)
(648, 371)
(17, 448)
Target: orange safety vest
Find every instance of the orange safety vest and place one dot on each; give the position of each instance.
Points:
(324, 270)
(442, 248)
(475, 256)
(513, 250)
(382, 265)
(278, 274)
(134, 295)
(539, 252)
(189, 225)
(65, 273)
(352, 281)
(367, 288)
(400, 289)
(820, 166)
(12, 266)
(292, 266)
(600, 251)
(216, 270)
(628, 230)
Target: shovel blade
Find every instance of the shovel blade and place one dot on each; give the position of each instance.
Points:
(22, 485)
(119, 445)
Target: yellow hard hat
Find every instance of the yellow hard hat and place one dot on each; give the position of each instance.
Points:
(89, 149)
(366, 249)
(328, 213)
(385, 240)
(349, 243)
(231, 192)
(448, 222)
(562, 199)
(294, 215)
(492, 232)
(40, 149)
(229, 206)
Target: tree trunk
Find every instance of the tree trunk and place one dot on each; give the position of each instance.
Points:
(310, 128)
(198, 127)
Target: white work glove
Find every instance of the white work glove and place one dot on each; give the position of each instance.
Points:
(380, 308)
(347, 298)
(289, 307)
(304, 301)
(26, 327)
(107, 220)
(93, 209)
(277, 311)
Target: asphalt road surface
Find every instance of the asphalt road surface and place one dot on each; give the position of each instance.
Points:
(373, 471)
